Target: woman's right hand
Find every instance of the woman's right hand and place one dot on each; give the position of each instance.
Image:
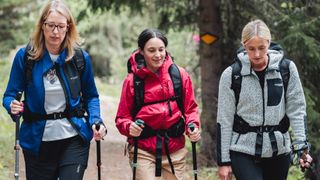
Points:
(16, 107)
(135, 130)
(225, 172)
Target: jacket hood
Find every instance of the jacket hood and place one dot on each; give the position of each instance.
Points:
(137, 65)
(275, 53)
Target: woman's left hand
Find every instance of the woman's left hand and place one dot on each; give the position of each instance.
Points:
(194, 135)
(99, 134)
(305, 161)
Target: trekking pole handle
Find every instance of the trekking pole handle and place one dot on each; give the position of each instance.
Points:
(97, 126)
(191, 126)
(18, 96)
(139, 122)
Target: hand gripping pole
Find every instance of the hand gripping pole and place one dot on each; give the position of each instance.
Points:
(194, 153)
(138, 122)
(98, 154)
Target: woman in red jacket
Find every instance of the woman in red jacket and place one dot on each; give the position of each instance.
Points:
(163, 118)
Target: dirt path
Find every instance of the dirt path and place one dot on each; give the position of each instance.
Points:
(115, 166)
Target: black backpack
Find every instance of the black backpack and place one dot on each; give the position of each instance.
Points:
(236, 77)
(139, 86)
(77, 60)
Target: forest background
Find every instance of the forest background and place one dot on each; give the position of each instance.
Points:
(110, 29)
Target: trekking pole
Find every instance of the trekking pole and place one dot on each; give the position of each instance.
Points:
(194, 154)
(98, 154)
(138, 122)
(16, 118)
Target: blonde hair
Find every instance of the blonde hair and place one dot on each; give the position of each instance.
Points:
(256, 28)
(71, 39)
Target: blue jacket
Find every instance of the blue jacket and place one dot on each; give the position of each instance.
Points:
(34, 93)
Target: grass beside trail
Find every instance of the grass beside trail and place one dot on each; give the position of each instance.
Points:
(7, 129)
(6, 148)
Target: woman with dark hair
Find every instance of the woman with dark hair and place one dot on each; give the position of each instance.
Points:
(55, 134)
(162, 117)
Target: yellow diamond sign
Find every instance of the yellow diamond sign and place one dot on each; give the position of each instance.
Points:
(208, 38)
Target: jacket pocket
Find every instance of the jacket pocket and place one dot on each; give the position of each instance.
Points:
(275, 90)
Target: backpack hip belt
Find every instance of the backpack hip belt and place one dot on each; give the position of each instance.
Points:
(242, 127)
(31, 116)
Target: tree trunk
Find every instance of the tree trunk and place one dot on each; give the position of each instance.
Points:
(210, 64)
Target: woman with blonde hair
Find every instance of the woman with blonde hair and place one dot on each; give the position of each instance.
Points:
(61, 108)
(254, 117)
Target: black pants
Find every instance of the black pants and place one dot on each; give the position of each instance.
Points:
(246, 167)
(66, 159)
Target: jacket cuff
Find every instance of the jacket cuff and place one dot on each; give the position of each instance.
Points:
(228, 163)
(98, 122)
(298, 146)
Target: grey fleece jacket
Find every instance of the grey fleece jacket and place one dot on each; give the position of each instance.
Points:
(257, 107)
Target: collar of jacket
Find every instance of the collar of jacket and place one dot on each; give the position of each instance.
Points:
(47, 62)
(274, 59)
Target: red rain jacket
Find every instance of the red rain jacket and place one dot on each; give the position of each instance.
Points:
(157, 87)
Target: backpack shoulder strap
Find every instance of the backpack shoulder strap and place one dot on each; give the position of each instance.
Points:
(236, 79)
(138, 85)
(139, 89)
(285, 72)
(177, 85)
(29, 63)
(79, 61)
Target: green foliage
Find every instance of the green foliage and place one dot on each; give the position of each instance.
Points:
(295, 173)
(171, 14)
(6, 128)
(15, 23)
(115, 4)
(110, 39)
(185, 53)
(6, 147)
(313, 120)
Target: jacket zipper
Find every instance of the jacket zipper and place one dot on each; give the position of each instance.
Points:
(263, 104)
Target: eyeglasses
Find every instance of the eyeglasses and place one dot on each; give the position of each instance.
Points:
(50, 26)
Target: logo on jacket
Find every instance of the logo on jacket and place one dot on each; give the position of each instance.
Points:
(51, 76)
(74, 77)
(236, 76)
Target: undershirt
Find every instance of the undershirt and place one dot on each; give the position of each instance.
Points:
(261, 75)
(55, 102)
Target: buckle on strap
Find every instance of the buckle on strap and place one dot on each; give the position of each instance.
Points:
(57, 115)
(260, 129)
